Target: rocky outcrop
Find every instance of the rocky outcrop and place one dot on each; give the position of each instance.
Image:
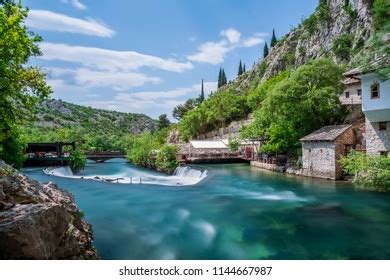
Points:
(313, 39)
(40, 221)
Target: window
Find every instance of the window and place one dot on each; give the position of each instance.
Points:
(359, 92)
(382, 126)
(384, 153)
(374, 91)
(347, 94)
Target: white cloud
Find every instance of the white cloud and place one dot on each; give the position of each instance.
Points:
(105, 59)
(75, 3)
(215, 52)
(117, 80)
(47, 20)
(232, 35)
(151, 103)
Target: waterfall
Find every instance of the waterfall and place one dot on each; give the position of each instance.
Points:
(182, 176)
(188, 172)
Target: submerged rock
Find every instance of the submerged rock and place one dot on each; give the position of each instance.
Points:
(40, 221)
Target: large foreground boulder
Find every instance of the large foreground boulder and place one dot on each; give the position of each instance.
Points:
(40, 221)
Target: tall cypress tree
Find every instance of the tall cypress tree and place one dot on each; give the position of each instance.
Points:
(266, 51)
(274, 41)
(244, 68)
(224, 80)
(240, 69)
(220, 78)
(201, 96)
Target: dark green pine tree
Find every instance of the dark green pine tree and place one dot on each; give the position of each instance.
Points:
(220, 78)
(224, 80)
(240, 69)
(274, 41)
(244, 68)
(266, 51)
(201, 96)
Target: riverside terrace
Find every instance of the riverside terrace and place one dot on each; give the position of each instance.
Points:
(48, 154)
(216, 151)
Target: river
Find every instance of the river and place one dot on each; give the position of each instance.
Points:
(226, 211)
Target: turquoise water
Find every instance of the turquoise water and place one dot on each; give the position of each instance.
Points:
(237, 212)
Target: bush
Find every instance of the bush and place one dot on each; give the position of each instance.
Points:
(234, 145)
(77, 161)
(342, 46)
(381, 13)
(166, 159)
(370, 172)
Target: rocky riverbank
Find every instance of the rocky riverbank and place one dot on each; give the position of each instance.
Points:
(40, 221)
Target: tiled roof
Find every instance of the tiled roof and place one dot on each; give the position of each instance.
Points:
(348, 81)
(326, 133)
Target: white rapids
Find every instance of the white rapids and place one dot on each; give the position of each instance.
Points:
(182, 176)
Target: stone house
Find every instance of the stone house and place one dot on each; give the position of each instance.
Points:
(322, 150)
(376, 108)
(352, 94)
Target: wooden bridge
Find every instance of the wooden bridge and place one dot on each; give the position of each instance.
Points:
(103, 156)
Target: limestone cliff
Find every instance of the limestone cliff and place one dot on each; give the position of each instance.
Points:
(316, 37)
(40, 221)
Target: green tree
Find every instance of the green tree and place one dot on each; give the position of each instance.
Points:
(77, 160)
(22, 86)
(381, 14)
(166, 160)
(274, 41)
(220, 78)
(163, 121)
(298, 104)
(266, 51)
(244, 68)
(201, 96)
(181, 110)
(223, 78)
(240, 69)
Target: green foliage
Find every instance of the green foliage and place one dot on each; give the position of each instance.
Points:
(310, 24)
(234, 144)
(21, 85)
(150, 150)
(262, 69)
(342, 46)
(11, 150)
(256, 96)
(349, 10)
(274, 41)
(240, 69)
(201, 96)
(370, 172)
(216, 111)
(77, 160)
(375, 57)
(163, 121)
(296, 104)
(140, 150)
(222, 80)
(81, 214)
(266, 50)
(181, 110)
(166, 160)
(289, 58)
(381, 14)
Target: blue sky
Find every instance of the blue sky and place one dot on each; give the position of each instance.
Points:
(149, 56)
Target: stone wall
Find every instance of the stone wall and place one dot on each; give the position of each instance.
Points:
(377, 141)
(231, 131)
(318, 160)
(268, 166)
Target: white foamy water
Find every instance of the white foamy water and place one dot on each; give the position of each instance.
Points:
(182, 176)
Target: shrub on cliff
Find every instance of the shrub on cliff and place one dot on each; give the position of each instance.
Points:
(370, 172)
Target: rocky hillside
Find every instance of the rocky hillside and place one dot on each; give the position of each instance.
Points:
(338, 29)
(57, 114)
(40, 221)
